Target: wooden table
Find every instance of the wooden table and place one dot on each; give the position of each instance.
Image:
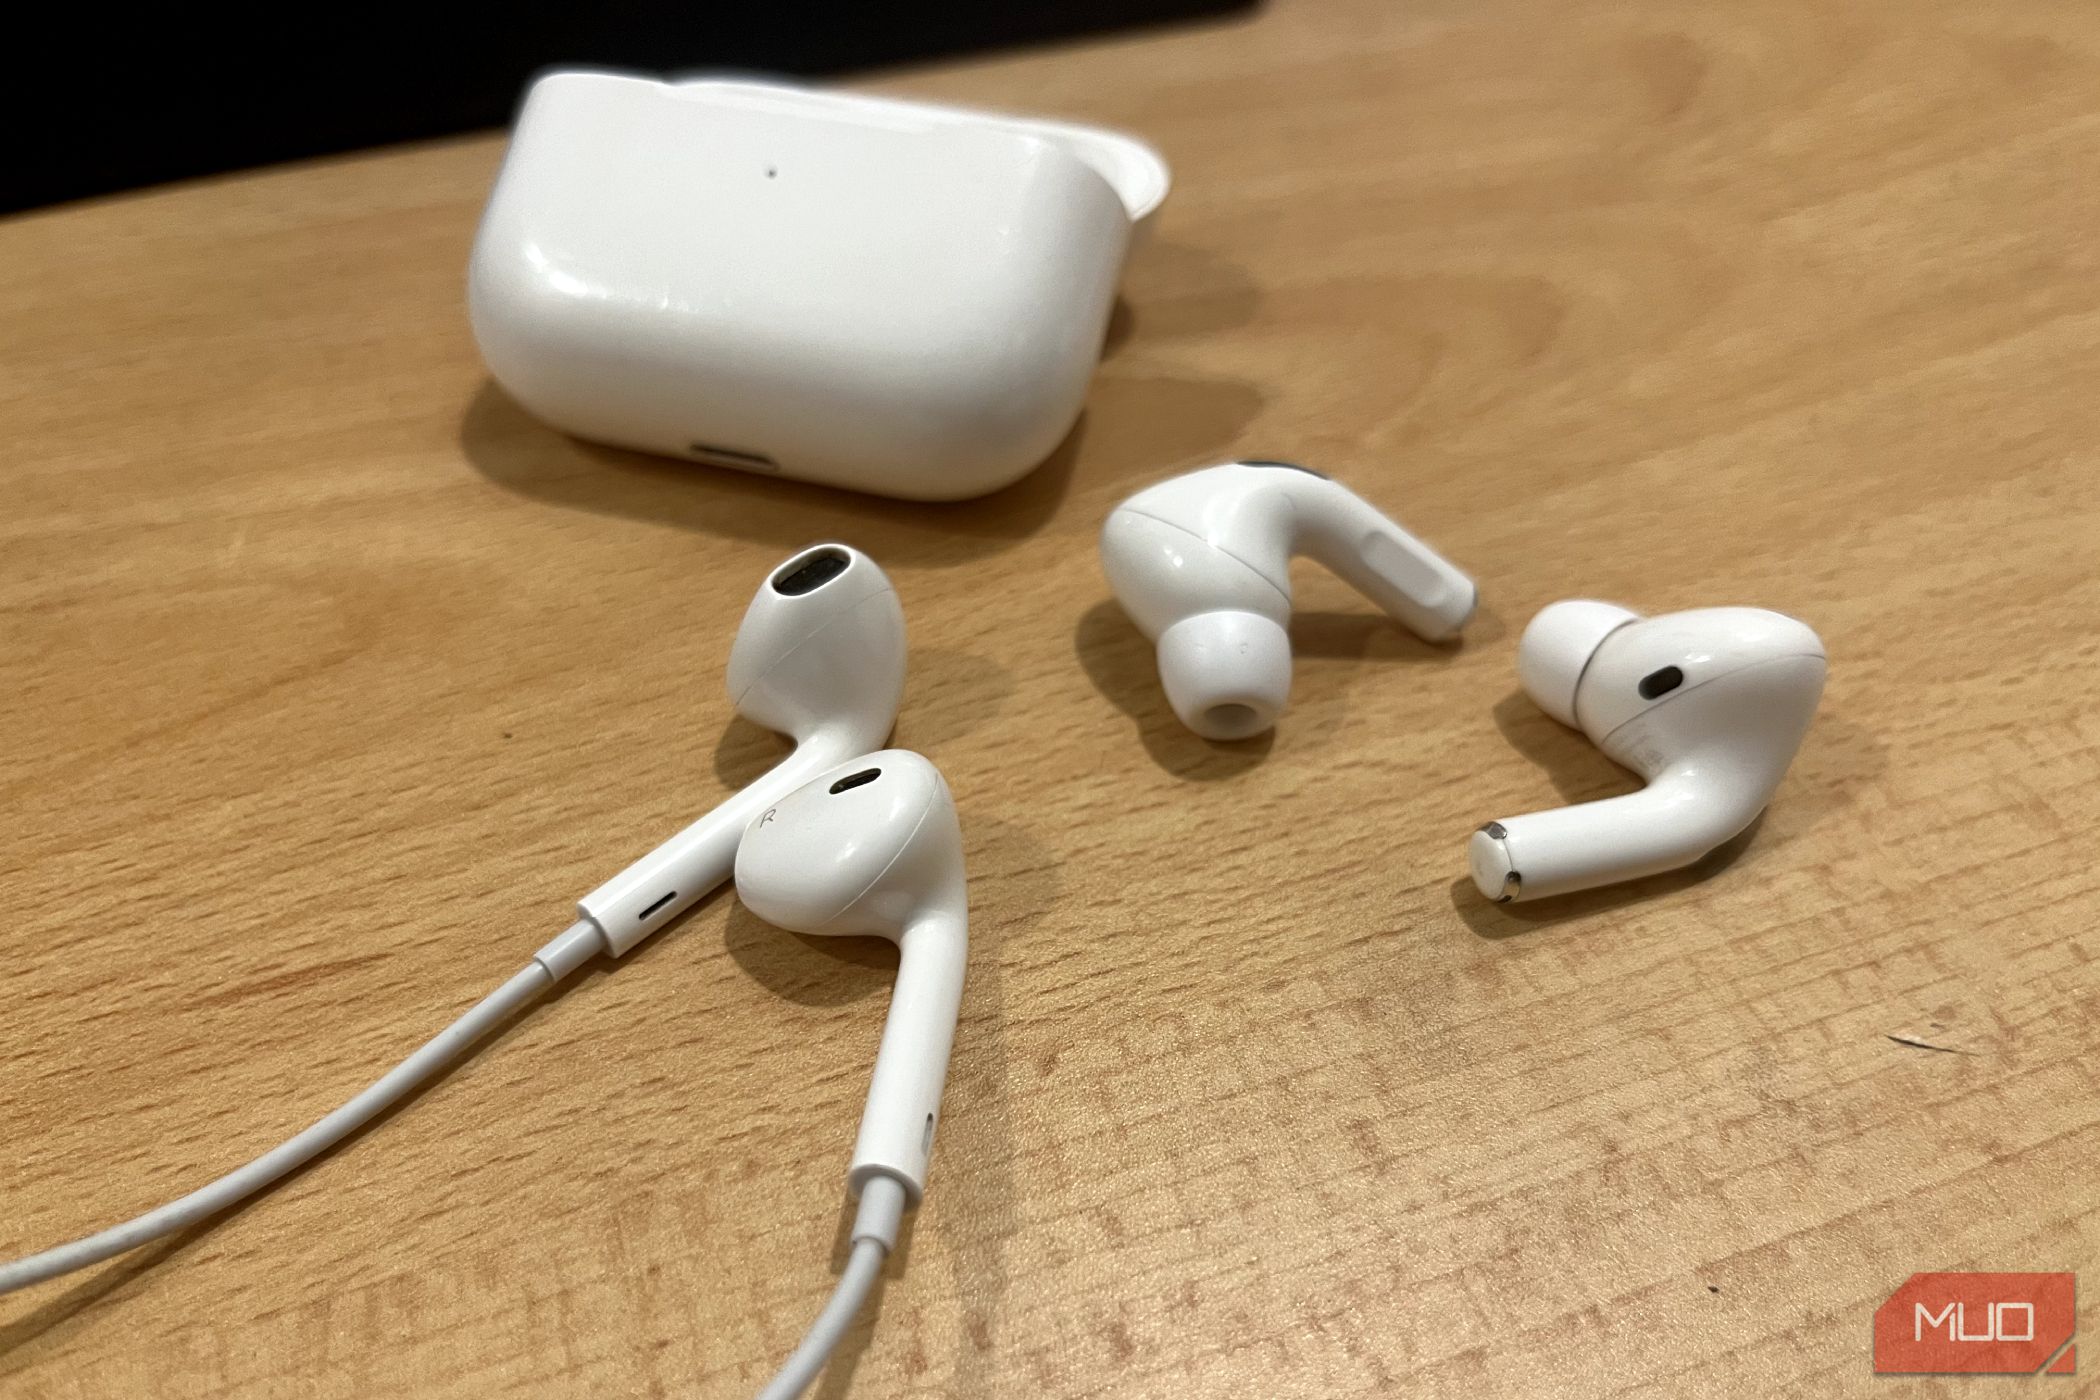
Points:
(331, 680)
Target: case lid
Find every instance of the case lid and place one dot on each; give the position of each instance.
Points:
(1133, 169)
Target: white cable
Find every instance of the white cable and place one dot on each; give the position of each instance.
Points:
(882, 1199)
(559, 958)
(874, 1234)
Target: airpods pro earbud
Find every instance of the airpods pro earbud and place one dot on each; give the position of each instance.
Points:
(819, 657)
(1709, 706)
(1201, 563)
(873, 847)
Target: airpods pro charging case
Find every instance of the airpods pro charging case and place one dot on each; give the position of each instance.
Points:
(888, 296)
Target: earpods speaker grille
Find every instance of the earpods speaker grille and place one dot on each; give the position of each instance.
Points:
(811, 574)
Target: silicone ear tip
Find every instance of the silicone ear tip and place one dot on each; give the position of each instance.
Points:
(1227, 674)
(1558, 645)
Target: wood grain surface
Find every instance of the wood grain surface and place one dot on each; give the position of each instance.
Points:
(331, 680)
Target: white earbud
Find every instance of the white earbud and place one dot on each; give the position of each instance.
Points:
(873, 847)
(1709, 706)
(819, 657)
(1201, 563)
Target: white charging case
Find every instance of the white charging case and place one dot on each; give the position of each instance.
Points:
(888, 296)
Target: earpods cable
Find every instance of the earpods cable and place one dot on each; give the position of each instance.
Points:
(576, 946)
(874, 1235)
(882, 1199)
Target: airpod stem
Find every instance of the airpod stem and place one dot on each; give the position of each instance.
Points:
(904, 1096)
(1668, 824)
(1411, 582)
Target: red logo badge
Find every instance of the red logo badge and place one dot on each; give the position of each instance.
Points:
(2003, 1323)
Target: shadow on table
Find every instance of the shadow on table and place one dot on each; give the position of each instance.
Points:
(521, 454)
(948, 695)
(1138, 424)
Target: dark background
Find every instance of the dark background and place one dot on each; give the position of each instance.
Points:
(109, 100)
